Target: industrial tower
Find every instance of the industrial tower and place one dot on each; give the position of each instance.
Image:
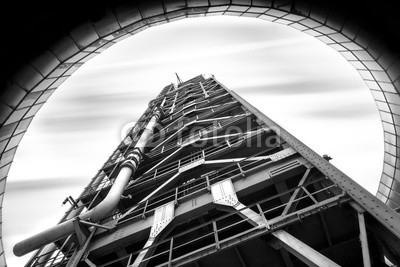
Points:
(205, 179)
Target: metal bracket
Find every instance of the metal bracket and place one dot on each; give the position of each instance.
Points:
(224, 193)
(162, 217)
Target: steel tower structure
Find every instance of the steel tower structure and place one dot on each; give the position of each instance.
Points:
(204, 179)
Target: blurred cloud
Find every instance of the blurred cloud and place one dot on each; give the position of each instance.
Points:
(188, 55)
(43, 184)
(296, 86)
(346, 112)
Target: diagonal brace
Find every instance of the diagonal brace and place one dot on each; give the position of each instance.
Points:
(292, 203)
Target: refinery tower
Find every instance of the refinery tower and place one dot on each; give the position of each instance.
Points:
(205, 179)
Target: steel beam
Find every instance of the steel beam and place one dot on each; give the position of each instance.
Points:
(204, 90)
(82, 232)
(224, 193)
(79, 252)
(326, 230)
(363, 234)
(173, 105)
(233, 160)
(163, 161)
(379, 210)
(257, 232)
(302, 251)
(186, 209)
(191, 123)
(364, 240)
(292, 202)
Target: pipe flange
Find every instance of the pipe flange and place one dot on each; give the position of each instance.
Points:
(130, 164)
(136, 153)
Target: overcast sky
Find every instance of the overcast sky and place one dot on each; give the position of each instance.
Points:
(296, 80)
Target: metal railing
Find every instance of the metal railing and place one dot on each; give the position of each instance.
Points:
(223, 123)
(198, 184)
(214, 234)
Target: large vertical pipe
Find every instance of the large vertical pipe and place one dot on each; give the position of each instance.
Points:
(102, 210)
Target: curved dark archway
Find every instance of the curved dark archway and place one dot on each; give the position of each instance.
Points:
(45, 45)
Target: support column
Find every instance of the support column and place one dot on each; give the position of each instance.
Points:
(364, 240)
(363, 235)
(79, 252)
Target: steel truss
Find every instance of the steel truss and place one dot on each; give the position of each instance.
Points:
(221, 183)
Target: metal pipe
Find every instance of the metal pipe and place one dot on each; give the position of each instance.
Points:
(103, 209)
(49, 250)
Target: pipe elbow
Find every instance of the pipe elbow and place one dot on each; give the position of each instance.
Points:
(98, 213)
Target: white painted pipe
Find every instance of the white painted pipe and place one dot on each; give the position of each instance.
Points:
(102, 210)
(49, 250)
